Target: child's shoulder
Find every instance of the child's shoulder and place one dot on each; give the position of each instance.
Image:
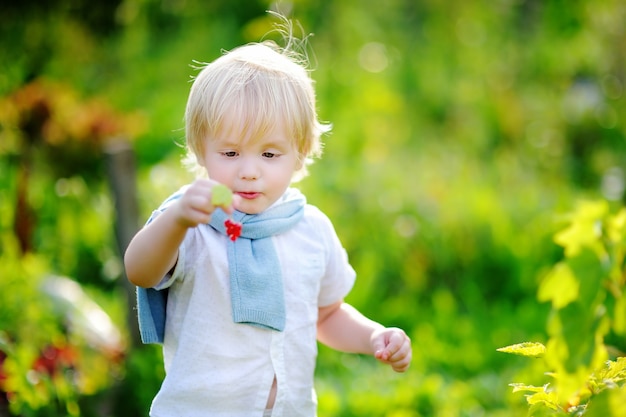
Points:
(317, 218)
(314, 212)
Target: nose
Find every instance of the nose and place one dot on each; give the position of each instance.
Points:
(249, 169)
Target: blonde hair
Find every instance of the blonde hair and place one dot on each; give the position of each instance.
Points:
(245, 92)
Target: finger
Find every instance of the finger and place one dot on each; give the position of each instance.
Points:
(399, 358)
(395, 341)
(379, 344)
(401, 361)
(402, 366)
(383, 344)
(195, 205)
(382, 355)
(199, 204)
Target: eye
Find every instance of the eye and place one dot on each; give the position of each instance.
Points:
(229, 154)
(269, 155)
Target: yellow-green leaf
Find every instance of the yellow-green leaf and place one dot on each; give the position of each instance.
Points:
(517, 386)
(616, 226)
(614, 371)
(585, 229)
(560, 286)
(549, 399)
(531, 349)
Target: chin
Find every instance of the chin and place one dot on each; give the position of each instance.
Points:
(250, 209)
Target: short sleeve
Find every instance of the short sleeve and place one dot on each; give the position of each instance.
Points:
(339, 276)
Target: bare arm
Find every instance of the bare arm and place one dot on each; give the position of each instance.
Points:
(153, 252)
(342, 327)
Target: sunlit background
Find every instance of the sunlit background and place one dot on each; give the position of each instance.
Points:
(463, 131)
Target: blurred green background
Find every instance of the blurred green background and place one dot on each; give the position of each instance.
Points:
(462, 131)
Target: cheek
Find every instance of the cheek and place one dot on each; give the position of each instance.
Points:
(219, 174)
(215, 169)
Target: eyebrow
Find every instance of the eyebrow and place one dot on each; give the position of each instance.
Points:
(227, 144)
(283, 143)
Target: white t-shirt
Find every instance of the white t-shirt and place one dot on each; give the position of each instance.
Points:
(215, 367)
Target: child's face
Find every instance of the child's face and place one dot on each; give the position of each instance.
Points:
(258, 170)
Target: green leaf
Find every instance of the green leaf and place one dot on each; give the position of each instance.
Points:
(616, 226)
(609, 403)
(576, 341)
(548, 399)
(540, 410)
(615, 371)
(619, 315)
(517, 387)
(560, 286)
(585, 229)
(590, 274)
(531, 349)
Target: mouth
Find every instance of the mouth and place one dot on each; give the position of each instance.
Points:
(248, 195)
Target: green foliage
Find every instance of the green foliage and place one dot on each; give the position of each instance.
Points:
(51, 358)
(587, 294)
(45, 366)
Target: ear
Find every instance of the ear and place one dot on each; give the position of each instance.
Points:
(299, 163)
(198, 157)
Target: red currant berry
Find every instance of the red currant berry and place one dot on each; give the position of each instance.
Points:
(233, 229)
